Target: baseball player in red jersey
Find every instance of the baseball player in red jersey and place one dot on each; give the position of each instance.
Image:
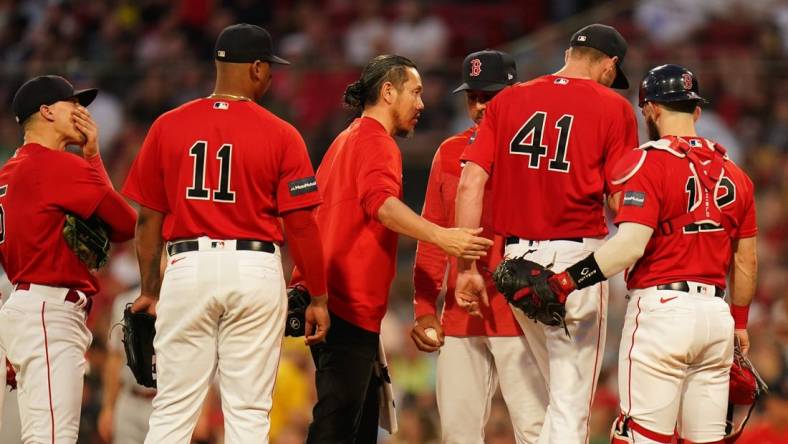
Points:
(42, 325)
(212, 178)
(550, 145)
(360, 219)
(475, 354)
(687, 211)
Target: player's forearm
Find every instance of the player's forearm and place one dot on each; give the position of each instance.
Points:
(149, 250)
(118, 214)
(98, 164)
(744, 277)
(744, 273)
(306, 248)
(398, 217)
(470, 201)
(428, 273)
(623, 249)
(111, 380)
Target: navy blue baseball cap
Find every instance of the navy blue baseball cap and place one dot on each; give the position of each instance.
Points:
(487, 70)
(245, 43)
(46, 90)
(608, 40)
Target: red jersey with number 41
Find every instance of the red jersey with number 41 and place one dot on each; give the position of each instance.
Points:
(662, 187)
(38, 186)
(550, 145)
(222, 169)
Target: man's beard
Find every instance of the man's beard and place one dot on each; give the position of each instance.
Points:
(477, 117)
(402, 131)
(653, 131)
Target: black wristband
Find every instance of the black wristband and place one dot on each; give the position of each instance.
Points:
(586, 272)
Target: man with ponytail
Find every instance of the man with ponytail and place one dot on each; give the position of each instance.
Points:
(360, 219)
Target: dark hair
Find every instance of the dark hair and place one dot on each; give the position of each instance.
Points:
(681, 106)
(383, 68)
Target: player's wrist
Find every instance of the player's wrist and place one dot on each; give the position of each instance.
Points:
(741, 315)
(586, 272)
(321, 299)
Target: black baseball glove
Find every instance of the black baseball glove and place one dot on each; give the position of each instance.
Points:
(526, 285)
(298, 300)
(88, 239)
(138, 332)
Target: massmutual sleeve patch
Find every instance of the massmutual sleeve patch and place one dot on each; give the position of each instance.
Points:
(302, 186)
(634, 198)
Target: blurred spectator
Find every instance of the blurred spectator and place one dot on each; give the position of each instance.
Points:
(366, 36)
(418, 35)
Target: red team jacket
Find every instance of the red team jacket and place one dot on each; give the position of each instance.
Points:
(361, 169)
(551, 145)
(225, 169)
(431, 261)
(38, 186)
(664, 187)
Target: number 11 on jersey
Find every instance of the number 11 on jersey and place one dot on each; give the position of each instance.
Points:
(198, 189)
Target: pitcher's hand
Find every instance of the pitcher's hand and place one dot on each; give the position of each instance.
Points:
(419, 335)
(471, 291)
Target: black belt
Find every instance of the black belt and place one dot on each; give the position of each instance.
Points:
(511, 240)
(685, 287)
(183, 246)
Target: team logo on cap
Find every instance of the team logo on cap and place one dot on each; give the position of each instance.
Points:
(581, 38)
(476, 67)
(220, 53)
(686, 80)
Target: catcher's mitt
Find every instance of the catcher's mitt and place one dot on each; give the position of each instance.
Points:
(746, 386)
(10, 375)
(525, 285)
(138, 332)
(298, 300)
(88, 239)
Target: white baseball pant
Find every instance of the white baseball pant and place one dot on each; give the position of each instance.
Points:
(574, 361)
(674, 362)
(219, 310)
(45, 338)
(469, 371)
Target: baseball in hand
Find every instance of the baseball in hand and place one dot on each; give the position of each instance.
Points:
(431, 333)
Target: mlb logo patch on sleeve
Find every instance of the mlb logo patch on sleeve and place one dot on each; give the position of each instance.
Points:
(302, 186)
(634, 198)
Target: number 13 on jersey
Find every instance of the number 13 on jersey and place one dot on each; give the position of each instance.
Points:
(528, 141)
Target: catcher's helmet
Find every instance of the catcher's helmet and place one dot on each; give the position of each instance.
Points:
(669, 83)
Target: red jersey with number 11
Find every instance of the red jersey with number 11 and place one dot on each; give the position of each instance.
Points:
(550, 145)
(223, 169)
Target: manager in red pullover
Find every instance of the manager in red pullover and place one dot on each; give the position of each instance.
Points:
(360, 219)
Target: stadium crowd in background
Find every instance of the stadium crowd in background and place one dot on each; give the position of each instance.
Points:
(150, 56)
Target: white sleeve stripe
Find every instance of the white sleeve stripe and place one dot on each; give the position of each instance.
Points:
(633, 171)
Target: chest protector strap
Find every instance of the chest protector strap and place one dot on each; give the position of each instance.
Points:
(707, 172)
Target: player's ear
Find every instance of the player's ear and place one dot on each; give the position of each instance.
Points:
(388, 92)
(255, 70)
(46, 112)
(696, 114)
